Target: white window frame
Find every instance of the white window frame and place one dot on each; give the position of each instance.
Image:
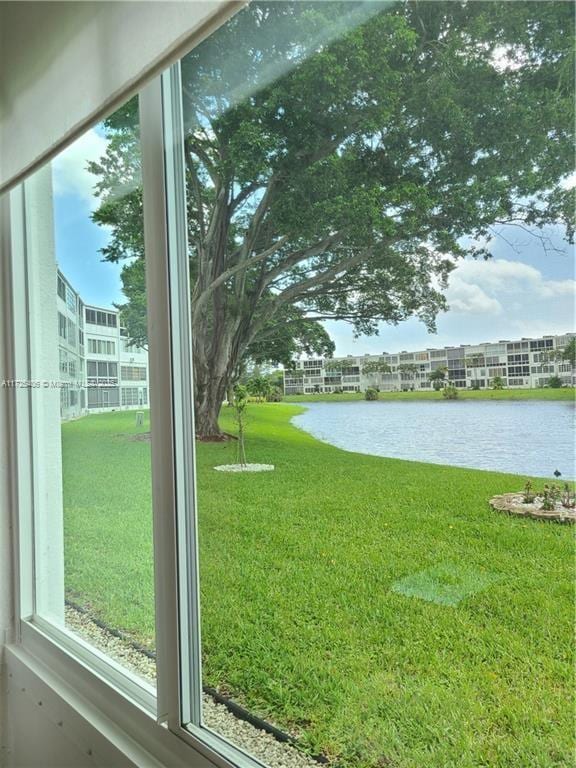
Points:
(178, 651)
(167, 721)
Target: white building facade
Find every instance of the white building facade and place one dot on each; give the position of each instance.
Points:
(70, 309)
(522, 363)
(99, 369)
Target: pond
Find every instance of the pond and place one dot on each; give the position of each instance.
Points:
(522, 437)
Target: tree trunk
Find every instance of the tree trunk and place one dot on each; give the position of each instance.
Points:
(215, 360)
(208, 398)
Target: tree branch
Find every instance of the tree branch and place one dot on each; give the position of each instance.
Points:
(238, 268)
(197, 187)
(299, 289)
(298, 256)
(245, 193)
(203, 155)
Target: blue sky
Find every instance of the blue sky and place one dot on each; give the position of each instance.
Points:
(522, 291)
(78, 239)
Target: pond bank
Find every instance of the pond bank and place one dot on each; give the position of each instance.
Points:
(564, 393)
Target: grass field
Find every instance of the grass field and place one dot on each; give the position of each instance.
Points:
(564, 393)
(310, 577)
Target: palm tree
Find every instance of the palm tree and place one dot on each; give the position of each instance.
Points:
(375, 367)
(408, 371)
(438, 377)
(259, 387)
(569, 354)
(475, 361)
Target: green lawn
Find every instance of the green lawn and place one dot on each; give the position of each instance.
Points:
(545, 393)
(376, 607)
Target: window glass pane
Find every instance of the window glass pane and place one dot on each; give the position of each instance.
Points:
(341, 158)
(93, 515)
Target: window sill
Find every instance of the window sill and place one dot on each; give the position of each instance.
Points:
(116, 728)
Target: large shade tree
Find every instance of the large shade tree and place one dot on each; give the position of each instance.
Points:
(336, 156)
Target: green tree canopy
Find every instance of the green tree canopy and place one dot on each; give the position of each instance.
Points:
(376, 366)
(569, 353)
(336, 160)
(438, 376)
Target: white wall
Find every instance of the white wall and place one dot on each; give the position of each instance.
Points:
(66, 64)
(51, 725)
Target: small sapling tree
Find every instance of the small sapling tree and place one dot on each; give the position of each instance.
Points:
(240, 404)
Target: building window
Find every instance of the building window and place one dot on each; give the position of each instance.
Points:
(541, 344)
(132, 373)
(517, 346)
(102, 370)
(71, 333)
(130, 347)
(99, 317)
(103, 397)
(61, 326)
(101, 347)
(71, 299)
(134, 396)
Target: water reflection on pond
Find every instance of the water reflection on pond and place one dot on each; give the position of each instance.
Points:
(522, 437)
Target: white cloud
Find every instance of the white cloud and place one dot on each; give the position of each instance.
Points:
(466, 297)
(496, 273)
(558, 288)
(69, 172)
(477, 286)
(489, 300)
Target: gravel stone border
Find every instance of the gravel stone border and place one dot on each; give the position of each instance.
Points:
(244, 468)
(260, 744)
(514, 505)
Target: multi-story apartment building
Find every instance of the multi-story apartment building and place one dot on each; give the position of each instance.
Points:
(522, 363)
(70, 349)
(99, 368)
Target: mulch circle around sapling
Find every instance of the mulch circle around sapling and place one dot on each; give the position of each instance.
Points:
(244, 468)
